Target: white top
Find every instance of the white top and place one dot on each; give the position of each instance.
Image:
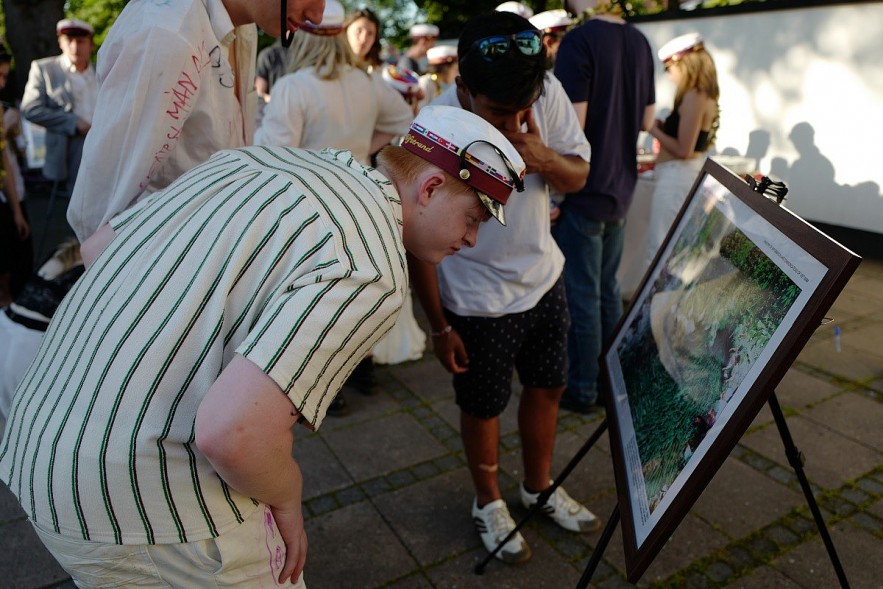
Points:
(512, 267)
(292, 259)
(166, 103)
(84, 88)
(344, 113)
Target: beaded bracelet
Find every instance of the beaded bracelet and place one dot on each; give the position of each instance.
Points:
(444, 331)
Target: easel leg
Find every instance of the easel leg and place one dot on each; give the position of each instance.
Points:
(598, 552)
(796, 460)
(544, 496)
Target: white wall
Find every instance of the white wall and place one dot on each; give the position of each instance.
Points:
(802, 93)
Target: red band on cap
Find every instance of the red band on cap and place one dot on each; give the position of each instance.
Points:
(481, 176)
(321, 31)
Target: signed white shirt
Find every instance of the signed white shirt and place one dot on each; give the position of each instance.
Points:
(166, 102)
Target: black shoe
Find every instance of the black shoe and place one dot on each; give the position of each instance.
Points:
(338, 407)
(577, 406)
(362, 379)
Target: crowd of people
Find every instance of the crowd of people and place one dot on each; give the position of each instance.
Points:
(248, 226)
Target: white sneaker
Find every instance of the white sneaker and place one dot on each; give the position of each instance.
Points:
(494, 523)
(564, 510)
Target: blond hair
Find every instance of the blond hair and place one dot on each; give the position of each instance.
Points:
(328, 55)
(699, 73)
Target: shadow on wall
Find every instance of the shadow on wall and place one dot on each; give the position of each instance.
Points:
(813, 174)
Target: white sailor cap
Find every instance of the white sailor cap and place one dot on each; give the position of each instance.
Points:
(441, 54)
(423, 30)
(332, 20)
(516, 7)
(551, 21)
(471, 149)
(680, 46)
(74, 27)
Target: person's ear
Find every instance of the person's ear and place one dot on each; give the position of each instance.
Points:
(429, 186)
(464, 96)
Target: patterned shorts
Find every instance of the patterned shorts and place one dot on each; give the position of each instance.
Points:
(533, 342)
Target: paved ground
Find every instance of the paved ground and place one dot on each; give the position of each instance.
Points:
(388, 495)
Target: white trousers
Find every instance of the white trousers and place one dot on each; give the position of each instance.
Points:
(673, 180)
(251, 557)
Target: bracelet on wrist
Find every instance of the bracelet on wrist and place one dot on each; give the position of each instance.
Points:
(444, 331)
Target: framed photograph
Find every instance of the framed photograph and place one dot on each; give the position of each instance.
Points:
(735, 292)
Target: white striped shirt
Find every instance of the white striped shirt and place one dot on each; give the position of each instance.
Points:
(293, 259)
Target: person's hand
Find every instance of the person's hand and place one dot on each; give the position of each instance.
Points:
(554, 213)
(290, 522)
(530, 145)
(21, 225)
(451, 352)
(83, 126)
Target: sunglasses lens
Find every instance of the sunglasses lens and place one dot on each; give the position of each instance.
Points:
(528, 42)
(494, 46)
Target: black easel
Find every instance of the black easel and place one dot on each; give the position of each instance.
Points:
(544, 496)
(775, 191)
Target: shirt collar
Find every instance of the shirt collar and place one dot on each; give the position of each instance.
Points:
(222, 25)
(69, 66)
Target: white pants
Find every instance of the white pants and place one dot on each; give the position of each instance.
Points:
(673, 180)
(18, 348)
(251, 556)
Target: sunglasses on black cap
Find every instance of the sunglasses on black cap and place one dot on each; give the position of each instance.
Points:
(528, 42)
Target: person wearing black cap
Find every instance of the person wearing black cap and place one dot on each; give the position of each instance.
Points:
(228, 309)
(176, 85)
(500, 307)
(60, 96)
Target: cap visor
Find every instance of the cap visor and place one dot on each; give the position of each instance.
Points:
(494, 207)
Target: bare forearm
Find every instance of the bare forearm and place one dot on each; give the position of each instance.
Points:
(566, 173)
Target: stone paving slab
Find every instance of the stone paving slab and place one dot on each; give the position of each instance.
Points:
(739, 500)
(764, 578)
(24, 562)
(861, 556)
(383, 445)
(831, 458)
(799, 389)
(354, 548)
(852, 415)
(322, 471)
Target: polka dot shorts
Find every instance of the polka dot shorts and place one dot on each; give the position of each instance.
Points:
(533, 342)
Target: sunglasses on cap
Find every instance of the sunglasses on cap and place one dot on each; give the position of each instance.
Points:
(528, 42)
(517, 182)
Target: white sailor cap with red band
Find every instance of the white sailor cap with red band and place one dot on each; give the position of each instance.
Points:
(551, 21)
(469, 148)
(423, 30)
(679, 47)
(332, 21)
(516, 7)
(441, 54)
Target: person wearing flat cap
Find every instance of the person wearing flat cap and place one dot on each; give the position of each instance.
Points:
(516, 7)
(423, 37)
(553, 24)
(443, 71)
(229, 308)
(500, 306)
(61, 95)
(176, 84)
(685, 135)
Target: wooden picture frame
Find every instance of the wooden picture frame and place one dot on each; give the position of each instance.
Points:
(733, 295)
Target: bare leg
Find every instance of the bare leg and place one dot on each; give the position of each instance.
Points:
(537, 422)
(481, 439)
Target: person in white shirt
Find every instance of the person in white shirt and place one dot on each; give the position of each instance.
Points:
(150, 442)
(500, 307)
(176, 84)
(443, 71)
(328, 100)
(60, 95)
